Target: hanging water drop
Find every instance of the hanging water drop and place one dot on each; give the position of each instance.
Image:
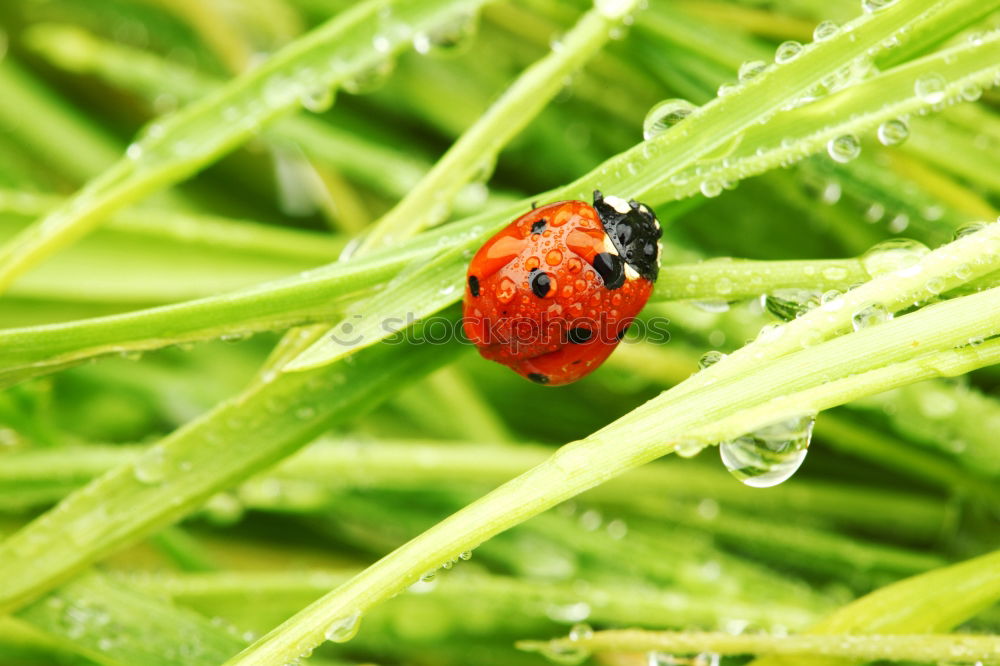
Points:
(787, 52)
(872, 6)
(344, 629)
(870, 315)
(688, 448)
(930, 88)
(710, 358)
(318, 99)
(665, 115)
(844, 148)
(770, 455)
(450, 38)
(787, 304)
(370, 79)
(580, 631)
(825, 30)
(970, 228)
(892, 132)
(897, 254)
(751, 69)
(710, 188)
(564, 654)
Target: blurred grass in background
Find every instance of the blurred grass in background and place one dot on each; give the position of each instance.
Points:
(895, 485)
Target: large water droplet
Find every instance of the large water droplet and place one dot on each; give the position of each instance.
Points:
(870, 315)
(318, 99)
(580, 631)
(450, 38)
(710, 358)
(665, 115)
(968, 229)
(872, 6)
(770, 455)
(787, 52)
(893, 132)
(825, 30)
(751, 69)
(710, 188)
(787, 304)
(844, 148)
(345, 628)
(930, 88)
(897, 254)
(151, 466)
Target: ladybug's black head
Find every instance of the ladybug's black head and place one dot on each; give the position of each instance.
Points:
(634, 230)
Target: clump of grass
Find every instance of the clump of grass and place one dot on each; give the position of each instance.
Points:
(189, 500)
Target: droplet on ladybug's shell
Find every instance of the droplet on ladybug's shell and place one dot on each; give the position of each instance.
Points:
(553, 257)
(581, 285)
(531, 263)
(561, 218)
(574, 265)
(506, 290)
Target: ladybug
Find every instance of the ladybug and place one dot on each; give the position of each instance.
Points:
(552, 294)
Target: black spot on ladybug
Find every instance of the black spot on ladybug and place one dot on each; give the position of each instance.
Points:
(621, 333)
(539, 226)
(540, 283)
(538, 378)
(579, 335)
(611, 268)
(474, 285)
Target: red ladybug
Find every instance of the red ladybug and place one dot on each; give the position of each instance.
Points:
(553, 293)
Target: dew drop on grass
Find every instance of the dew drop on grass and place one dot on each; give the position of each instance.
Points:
(714, 307)
(930, 88)
(688, 448)
(751, 69)
(568, 613)
(967, 229)
(710, 188)
(825, 30)
(787, 304)
(787, 52)
(580, 631)
(710, 358)
(897, 254)
(564, 654)
(665, 115)
(872, 6)
(870, 315)
(370, 79)
(892, 132)
(344, 629)
(151, 466)
(450, 38)
(843, 148)
(770, 455)
(319, 99)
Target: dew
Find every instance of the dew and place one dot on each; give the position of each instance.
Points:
(930, 88)
(751, 69)
(465, 555)
(370, 79)
(872, 6)
(897, 254)
(844, 148)
(935, 286)
(688, 448)
(344, 629)
(870, 315)
(899, 223)
(450, 38)
(726, 89)
(710, 358)
(892, 132)
(151, 466)
(714, 307)
(580, 631)
(617, 529)
(969, 229)
(831, 301)
(770, 455)
(787, 304)
(825, 31)
(970, 92)
(710, 188)
(665, 115)
(874, 213)
(568, 613)
(787, 52)
(318, 99)
(831, 193)
(560, 653)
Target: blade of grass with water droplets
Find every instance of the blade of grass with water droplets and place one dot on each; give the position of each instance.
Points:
(180, 144)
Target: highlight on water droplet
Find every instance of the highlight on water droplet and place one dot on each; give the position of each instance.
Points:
(825, 30)
(872, 6)
(751, 69)
(930, 88)
(450, 38)
(843, 148)
(710, 188)
(665, 115)
(769, 455)
(710, 358)
(792, 302)
(787, 52)
(870, 315)
(970, 228)
(345, 628)
(893, 132)
(897, 254)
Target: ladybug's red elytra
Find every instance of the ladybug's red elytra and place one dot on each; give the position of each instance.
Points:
(552, 294)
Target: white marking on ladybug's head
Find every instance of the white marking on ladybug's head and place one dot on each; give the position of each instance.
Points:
(609, 246)
(630, 272)
(618, 204)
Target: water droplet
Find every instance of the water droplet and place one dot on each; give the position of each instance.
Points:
(665, 115)
(465, 555)
(770, 455)
(710, 358)
(712, 306)
(710, 188)
(892, 132)
(787, 304)
(930, 88)
(787, 52)
(967, 229)
(844, 148)
(870, 315)
(897, 254)
(751, 69)
(688, 448)
(151, 466)
(569, 613)
(580, 631)
(344, 629)
(825, 30)
(726, 89)
(872, 6)
(450, 38)
(560, 653)
(370, 79)
(318, 99)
